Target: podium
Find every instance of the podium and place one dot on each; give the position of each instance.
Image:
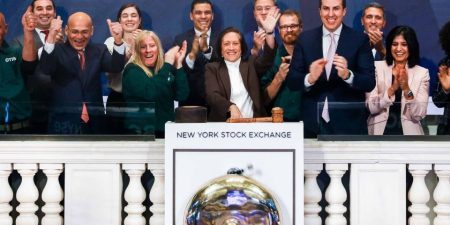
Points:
(270, 153)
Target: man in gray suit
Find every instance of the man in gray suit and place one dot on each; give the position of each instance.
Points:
(38, 84)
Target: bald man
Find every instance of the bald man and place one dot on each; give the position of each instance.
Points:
(14, 62)
(75, 68)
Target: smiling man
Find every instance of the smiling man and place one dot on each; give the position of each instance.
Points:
(333, 66)
(373, 20)
(201, 40)
(38, 83)
(75, 68)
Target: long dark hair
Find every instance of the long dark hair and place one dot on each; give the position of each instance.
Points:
(411, 39)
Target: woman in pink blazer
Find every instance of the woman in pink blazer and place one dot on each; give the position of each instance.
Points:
(399, 101)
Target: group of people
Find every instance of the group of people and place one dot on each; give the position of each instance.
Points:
(334, 78)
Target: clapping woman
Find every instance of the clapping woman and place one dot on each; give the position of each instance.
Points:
(399, 101)
(152, 77)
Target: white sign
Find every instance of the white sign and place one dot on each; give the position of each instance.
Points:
(271, 153)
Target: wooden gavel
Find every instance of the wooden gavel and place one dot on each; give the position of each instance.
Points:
(277, 117)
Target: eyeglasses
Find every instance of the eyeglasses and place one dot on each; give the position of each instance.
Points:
(291, 26)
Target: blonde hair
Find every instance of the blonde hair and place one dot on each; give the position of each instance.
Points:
(136, 59)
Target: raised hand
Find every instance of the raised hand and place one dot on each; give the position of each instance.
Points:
(284, 68)
(444, 77)
(116, 30)
(179, 56)
(269, 23)
(316, 69)
(258, 41)
(170, 55)
(203, 42)
(54, 30)
(376, 40)
(29, 20)
(402, 79)
(340, 63)
(195, 48)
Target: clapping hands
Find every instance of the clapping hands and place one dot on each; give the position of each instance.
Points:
(175, 55)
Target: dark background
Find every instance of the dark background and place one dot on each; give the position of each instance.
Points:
(171, 17)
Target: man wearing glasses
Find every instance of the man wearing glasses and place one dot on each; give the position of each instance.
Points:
(260, 11)
(276, 93)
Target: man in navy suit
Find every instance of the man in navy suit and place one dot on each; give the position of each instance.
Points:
(201, 43)
(75, 68)
(373, 21)
(334, 66)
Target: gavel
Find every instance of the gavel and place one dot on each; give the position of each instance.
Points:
(277, 117)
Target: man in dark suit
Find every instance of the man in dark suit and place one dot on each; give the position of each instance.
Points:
(38, 83)
(373, 21)
(201, 43)
(75, 68)
(334, 67)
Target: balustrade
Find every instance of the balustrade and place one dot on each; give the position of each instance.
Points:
(136, 157)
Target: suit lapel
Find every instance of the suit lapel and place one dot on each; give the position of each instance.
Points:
(37, 40)
(243, 69)
(225, 79)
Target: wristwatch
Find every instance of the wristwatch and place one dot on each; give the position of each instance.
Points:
(410, 94)
(209, 50)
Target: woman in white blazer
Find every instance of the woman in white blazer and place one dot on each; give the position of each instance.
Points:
(399, 101)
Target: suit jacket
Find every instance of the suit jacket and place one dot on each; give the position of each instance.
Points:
(346, 102)
(71, 86)
(412, 111)
(218, 86)
(196, 76)
(442, 100)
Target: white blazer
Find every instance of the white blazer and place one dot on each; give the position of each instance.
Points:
(412, 111)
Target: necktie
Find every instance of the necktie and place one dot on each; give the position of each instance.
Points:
(82, 59)
(45, 32)
(84, 112)
(330, 56)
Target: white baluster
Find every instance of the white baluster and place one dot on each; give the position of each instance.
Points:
(52, 195)
(6, 195)
(442, 195)
(134, 195)
(157, 194)
(336, 195)
(312, 194)
(26, 195)
(419, 195)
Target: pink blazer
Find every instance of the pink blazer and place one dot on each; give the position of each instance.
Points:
(412, 111)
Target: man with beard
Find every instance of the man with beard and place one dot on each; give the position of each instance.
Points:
(38, 83)
(201, 41)
(333, 66)
(276, 93)
(374, 20)
(75, 68)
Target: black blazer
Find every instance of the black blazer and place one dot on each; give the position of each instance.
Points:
(196, 76)
(346, 102)
(72, 86)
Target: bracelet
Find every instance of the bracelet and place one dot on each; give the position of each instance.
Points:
(269, 33)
